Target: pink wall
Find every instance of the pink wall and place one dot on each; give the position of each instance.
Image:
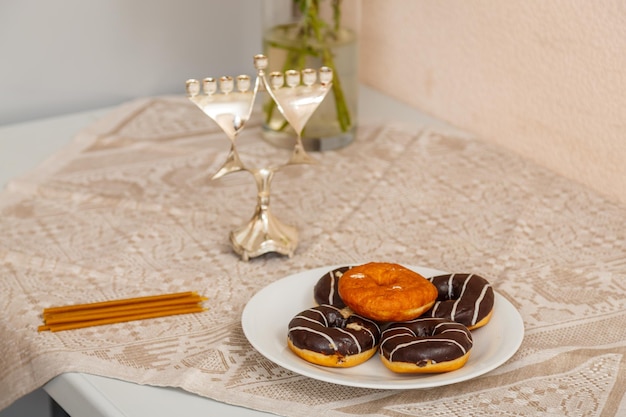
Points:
(546, 79)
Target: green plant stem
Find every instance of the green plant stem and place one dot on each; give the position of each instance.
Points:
(313, 27)
(296, 58)
(343, 113)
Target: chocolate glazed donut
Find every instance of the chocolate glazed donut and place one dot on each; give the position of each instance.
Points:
(328, 336)
(465, 298)
(325, 290)
(425, 346)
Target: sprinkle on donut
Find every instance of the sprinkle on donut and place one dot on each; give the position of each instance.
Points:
(329, 336)
(465, 298)
(428, 345)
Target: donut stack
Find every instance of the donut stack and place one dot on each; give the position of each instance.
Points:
(417, 324)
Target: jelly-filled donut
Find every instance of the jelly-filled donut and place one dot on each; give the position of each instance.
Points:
(325, 290)
(465, 298)
(328, 336)
(386, 291)
(425, 346)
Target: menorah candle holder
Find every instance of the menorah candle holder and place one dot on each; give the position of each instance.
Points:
(297, 95)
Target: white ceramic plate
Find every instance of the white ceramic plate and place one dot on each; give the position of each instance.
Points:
(267, 314)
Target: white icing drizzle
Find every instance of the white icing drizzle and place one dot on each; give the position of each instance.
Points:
(312, 320)
(437, 326)
(407, 332)
(456, 303)
(308, 329)
(374, 324)
(353, 338)
(479, 300)
(368, 331)
(435, 307)
(320, 319)
(480, 296)
(450, 293)
(458, 331)
(420, 341)
(323, 321)
(331, 295)
(371, 335)
(334, 308)
(385, 339)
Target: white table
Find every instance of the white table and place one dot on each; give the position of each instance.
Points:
(24, 146)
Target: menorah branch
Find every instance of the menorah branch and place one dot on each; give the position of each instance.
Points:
(229, 104)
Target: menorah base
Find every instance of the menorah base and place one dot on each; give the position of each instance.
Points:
(263, 234)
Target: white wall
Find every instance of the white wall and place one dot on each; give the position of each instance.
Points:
(545, 79)
(64, 56)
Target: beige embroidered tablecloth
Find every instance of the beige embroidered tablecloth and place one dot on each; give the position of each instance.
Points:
(127, 209)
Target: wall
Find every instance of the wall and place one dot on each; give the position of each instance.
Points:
(64, 56)
(543, 78)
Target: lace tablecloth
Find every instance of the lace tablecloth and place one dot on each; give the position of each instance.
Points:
(127, 209)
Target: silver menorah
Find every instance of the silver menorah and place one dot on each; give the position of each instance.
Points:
(229, 103)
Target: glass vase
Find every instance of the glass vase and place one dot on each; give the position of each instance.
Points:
(299, 34)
